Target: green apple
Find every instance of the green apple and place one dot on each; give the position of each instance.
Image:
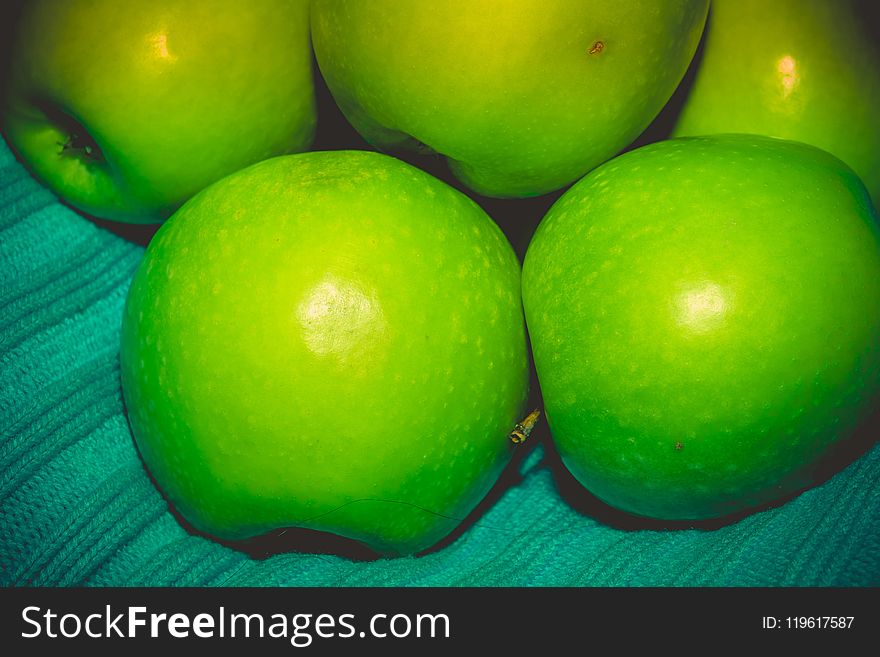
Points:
(522, 96)
(807, 70)
(126, 109)
(705, 320)
(326, 340)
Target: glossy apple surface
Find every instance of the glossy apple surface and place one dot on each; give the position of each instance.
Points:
(327, 340)
(523, 96)
(807, 70)
(126, 109)
(704, 315)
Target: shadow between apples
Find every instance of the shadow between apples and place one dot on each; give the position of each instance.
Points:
(9, 13)
(840, 456)
(661, 127)
(517, 218)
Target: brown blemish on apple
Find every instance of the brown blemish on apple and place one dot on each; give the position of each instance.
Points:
(679, 446)
(597, 47)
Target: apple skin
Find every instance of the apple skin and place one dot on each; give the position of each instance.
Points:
(704, 315)
(326, 340)
(806, 70)
(509, 91)
(173, 95)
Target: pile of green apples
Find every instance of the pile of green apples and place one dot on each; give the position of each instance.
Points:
(341, 341)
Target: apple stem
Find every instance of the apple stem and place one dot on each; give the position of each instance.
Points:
(77, 140)
(77, 145)
(521, 430)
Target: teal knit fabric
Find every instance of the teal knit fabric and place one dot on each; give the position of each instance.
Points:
(78, 508)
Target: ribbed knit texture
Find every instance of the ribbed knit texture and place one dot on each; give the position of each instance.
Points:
(78, 508)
